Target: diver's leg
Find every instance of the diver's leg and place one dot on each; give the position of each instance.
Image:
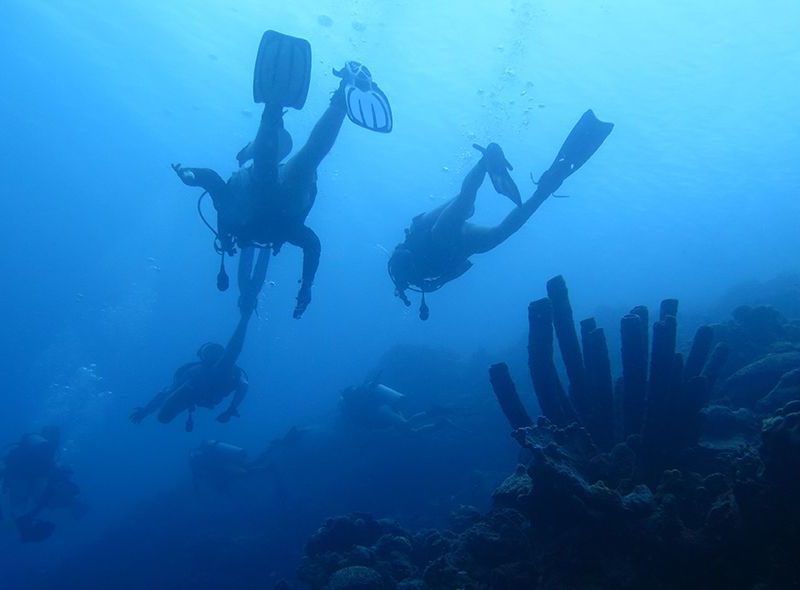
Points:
(251, 277)
(246, 254)
(260, 270)
(451, 219)
(265, 148)
(179, 401)
(427, 220)
(303, 165)
(477, 239)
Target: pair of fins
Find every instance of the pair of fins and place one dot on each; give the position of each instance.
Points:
(583, 141)
(283, 73)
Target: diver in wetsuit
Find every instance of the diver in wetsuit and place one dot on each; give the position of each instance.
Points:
(33, 482)
(439, 243)
(206, 382)
(371, 405)
(218, 464)
(374, 406)
(265, 205)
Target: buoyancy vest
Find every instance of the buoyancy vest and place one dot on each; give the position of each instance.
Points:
(435, 264)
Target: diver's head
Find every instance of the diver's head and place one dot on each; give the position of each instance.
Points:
(210, 353)
(401, 269)
(284, 144)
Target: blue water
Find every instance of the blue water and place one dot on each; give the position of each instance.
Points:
(108, 274)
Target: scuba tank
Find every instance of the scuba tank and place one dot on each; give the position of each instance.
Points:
(223, 452)
(386, 394)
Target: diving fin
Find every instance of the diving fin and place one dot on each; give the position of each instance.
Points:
(505, 185)
(283, 70)
(497, 167)
(586, 137)
(367, 105)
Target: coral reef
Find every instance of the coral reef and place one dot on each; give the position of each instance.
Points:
(754, 332)
(630, 483)
(357, 552)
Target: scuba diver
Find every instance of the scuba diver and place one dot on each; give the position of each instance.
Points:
(374, 406)
(206, 382)
(218, 464)
(33, 482)
(439, 243)
(265, 204)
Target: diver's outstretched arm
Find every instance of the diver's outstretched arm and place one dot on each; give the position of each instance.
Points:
(238, 397)
(236, 343)
(205, 178)
(302, 166)
(478, 240)
(306, 239)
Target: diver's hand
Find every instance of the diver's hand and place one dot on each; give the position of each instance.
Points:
(303, 299)
(225, 416)
(185, 174)
(138, 415)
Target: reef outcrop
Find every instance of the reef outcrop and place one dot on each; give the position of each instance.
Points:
(636, 482)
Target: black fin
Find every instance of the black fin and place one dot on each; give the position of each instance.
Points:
(583, 141)
(283, 70)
